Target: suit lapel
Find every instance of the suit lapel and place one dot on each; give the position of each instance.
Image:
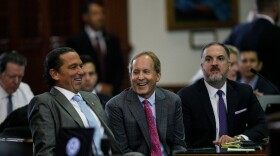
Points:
(232, 102)
(161, 114)
(138, 112)
(205, 100)
(87, 41)
(95, 105)
(65, 103)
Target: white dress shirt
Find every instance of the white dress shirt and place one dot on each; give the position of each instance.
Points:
(214, 98)
(20, 98)
(92, 36)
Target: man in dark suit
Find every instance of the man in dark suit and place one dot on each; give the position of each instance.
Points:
(103, 47)
(217, 110)
(144, 118)
(261, 35)
(51, 111)
(250, 60)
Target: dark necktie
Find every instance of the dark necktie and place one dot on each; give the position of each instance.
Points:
(10, 104)
(155, 144)
(101, 58)
(91, 121)
(222, 114)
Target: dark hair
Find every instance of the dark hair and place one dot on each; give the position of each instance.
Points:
(152, 55)
(262, 5)
(86, 59)
(85, 6)
(252, 51)
(11, 57)
(52, 61)
(216, 43)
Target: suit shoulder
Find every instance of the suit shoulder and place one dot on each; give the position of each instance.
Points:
(191, 88)
(239, 86)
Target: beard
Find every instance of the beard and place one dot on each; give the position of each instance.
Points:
(214, 78)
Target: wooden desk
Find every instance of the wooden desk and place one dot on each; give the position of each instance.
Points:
(16, 147)
(257, 153)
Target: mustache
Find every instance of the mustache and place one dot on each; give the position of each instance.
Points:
(215, 68)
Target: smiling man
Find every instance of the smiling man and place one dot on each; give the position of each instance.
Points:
(217, 110)
(65, 105)
(144, 118)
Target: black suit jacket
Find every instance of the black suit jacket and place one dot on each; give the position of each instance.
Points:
(114, 59)
(16, 124)
(128, 122)
(263, 37)
(199, 119)
(265, 88)
(50, 111)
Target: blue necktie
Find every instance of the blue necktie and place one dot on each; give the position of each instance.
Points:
(10, 104)
(92, 123)
(222, 114)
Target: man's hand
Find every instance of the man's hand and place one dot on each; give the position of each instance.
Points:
(223, 139)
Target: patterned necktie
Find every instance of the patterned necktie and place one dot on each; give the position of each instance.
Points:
(91, 121)
(155, 144)
(222, 114)
(101, 58)
(10, 104)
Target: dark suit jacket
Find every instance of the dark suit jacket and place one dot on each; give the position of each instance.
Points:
(128, 122)
(114, 58)
(263, 37)
(50, 111)
(199, 119)
(265, 88)
(16, 124)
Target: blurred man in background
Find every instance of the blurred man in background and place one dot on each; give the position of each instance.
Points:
(104, 48)
(90, 79)
(13, 92)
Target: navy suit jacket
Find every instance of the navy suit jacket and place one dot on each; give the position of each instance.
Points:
(265, 88)
(244, 114)
(114, 60)
(264, 37)
(128, 122)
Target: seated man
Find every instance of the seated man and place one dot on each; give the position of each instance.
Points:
(65, 105)
(144, 118)
(249, 59)
(13, 92)
(90, 78)
(233, 70)
(217, 110)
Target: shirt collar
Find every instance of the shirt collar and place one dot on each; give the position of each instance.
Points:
(253, 82)
(266, 17)
(213, 91)
(150, 99)
(68, 94)
(92, 33)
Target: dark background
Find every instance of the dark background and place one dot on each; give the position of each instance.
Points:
(34, 27)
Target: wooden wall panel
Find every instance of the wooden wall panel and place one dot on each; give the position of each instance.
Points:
(34, 27)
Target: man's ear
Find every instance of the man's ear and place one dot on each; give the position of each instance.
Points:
(259, 67)
(54, 74)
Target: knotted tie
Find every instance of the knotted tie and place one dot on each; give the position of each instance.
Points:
(155, 144)
(101, 58)
(91, 121)
(10, 104)
(222, 114)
